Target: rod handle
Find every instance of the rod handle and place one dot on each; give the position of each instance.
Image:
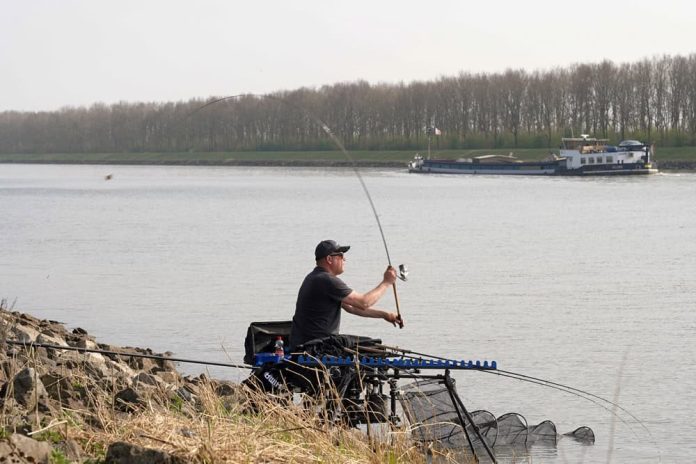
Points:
(398, 311)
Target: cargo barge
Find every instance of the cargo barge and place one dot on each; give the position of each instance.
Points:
(583, 156)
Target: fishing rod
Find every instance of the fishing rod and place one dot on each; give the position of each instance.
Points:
(538, 381)
(588, 396)
(521, 377)
(529, 378)
(556, 386)
(502, 373)
(403, 272)
(584, 395)
(405, 351)
(120, 353)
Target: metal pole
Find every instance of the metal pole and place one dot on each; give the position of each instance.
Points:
(456, 399)
(450, 387)
(393, 418)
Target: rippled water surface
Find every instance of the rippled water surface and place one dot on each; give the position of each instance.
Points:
(587, 282)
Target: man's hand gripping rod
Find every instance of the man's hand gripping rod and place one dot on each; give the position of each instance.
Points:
(403, 272)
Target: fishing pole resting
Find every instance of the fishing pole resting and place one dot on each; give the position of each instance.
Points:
(366, 372)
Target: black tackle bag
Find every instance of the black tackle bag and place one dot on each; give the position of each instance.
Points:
(261, 337)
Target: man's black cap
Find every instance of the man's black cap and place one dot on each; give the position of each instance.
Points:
(326, 247)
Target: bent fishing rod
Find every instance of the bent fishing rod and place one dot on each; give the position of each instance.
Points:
(515, 375)
(327, 130)
(588, 396)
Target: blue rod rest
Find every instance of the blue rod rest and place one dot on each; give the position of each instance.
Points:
(371, 361)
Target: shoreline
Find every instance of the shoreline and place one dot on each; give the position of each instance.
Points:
(231, 162)
(671, 166)
(65, 397)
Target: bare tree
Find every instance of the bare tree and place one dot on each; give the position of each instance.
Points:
(473, 110)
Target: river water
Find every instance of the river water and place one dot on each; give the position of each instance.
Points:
(586, 282)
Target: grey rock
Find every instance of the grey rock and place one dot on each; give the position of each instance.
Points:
(72, 450)
(8, 368)
(21, 449)
(127, 400)
(144, 378)
(171, 378)
(24, 334)
(126, 453)
(184, 394)
(47, 339)
(225, 389)
(60, 388)
(6, 452)
(120, 371)
(28, 388)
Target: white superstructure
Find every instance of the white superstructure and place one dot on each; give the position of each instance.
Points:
(595, 156)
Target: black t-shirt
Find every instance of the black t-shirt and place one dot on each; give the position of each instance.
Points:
(318, 308)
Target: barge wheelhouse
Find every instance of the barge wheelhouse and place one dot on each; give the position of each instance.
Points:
(587, 156)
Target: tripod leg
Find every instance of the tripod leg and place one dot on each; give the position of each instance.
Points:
(457, 402)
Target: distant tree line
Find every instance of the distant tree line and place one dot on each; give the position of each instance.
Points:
(653, 100)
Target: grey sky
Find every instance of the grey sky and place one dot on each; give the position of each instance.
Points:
(77, 52)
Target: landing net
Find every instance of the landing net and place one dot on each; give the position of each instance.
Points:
(434, 420)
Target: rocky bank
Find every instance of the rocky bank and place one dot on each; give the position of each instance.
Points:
(60, 406)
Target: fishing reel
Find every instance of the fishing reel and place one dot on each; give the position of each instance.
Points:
(403, 272)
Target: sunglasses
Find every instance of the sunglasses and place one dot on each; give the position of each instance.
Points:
(337, 254)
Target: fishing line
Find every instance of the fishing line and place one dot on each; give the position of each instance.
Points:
(354, 165)
(542, 382)
(549, 384)
(405, 351)
(580, 393)
(572, 390)
(331, 135)
(510, 373)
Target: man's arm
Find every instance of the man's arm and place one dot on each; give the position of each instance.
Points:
(367, 300)
(371, 312)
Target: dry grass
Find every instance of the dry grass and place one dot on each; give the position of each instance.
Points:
(244, 426)
(222, 429)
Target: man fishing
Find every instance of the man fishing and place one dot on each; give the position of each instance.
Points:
(323, 294)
